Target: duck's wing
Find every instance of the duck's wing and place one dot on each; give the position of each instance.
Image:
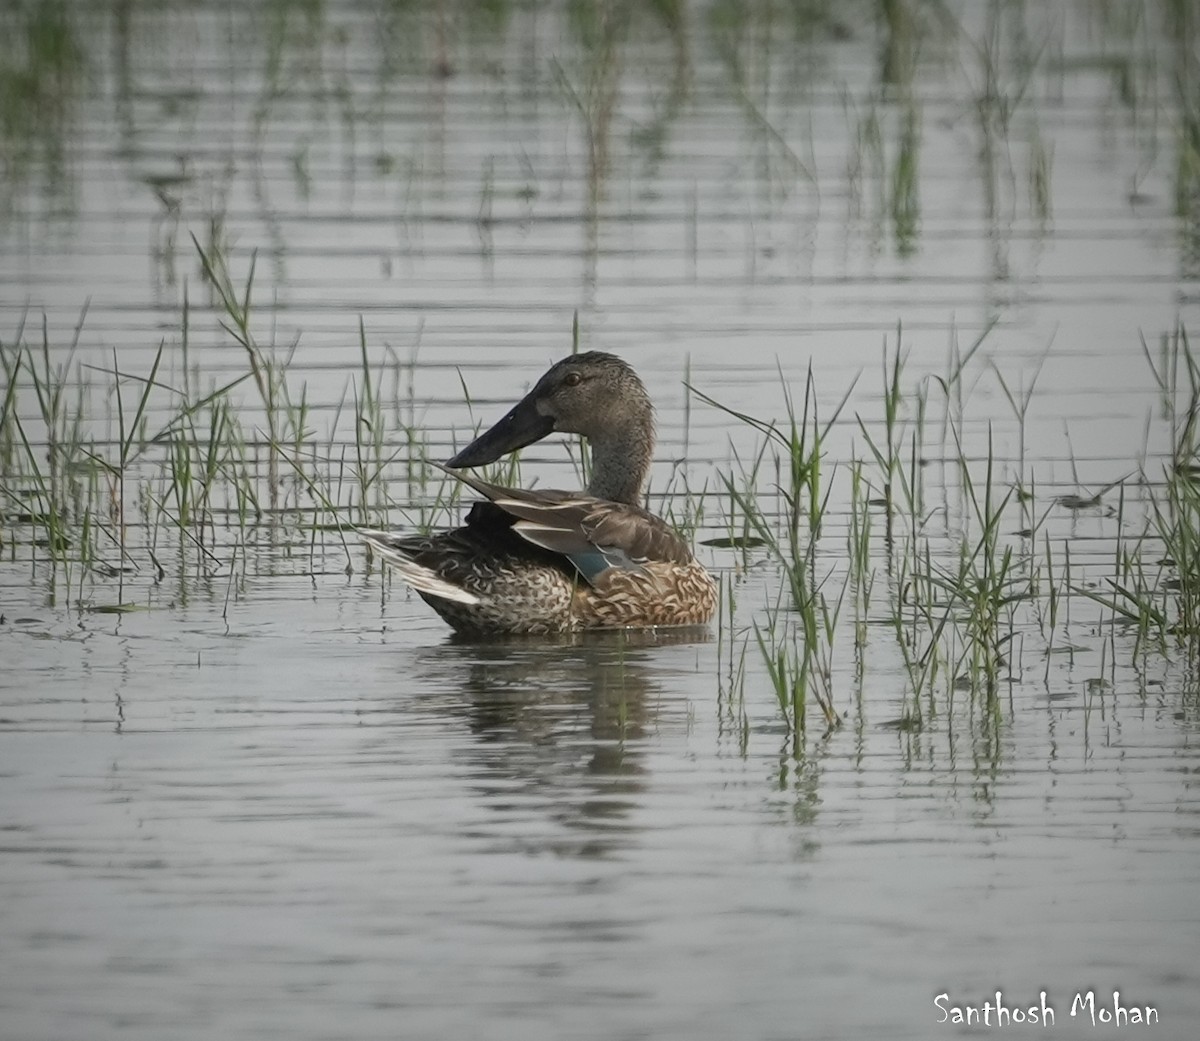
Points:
(593, 534)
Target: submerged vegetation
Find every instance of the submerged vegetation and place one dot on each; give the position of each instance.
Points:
(980, 589)
(771, 60)
(116, 483)
(874, 528)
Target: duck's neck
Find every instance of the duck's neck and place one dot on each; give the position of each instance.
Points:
(620, 462)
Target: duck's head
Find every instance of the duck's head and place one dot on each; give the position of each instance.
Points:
(594, 394)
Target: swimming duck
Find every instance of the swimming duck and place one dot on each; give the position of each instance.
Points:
(555, 561)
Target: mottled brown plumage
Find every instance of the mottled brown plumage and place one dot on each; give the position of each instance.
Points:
(553, 561)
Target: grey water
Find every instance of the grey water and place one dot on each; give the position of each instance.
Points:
(278, 799)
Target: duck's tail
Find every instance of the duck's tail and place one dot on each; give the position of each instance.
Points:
(398, 552)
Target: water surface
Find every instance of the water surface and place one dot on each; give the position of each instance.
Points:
(279, 800)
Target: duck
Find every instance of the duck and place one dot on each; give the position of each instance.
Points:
(534, 561)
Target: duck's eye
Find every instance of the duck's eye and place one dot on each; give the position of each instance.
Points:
(572, 379)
